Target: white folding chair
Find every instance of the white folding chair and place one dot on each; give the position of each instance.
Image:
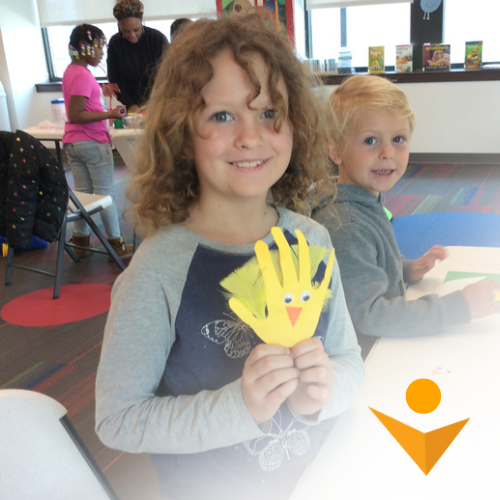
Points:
(83, 206)
(41, 455)
(80, 206)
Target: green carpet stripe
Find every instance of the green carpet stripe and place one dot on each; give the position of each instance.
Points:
(23, 376)
(428, 204)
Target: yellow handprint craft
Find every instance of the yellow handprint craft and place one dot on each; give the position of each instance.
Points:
(286, 309)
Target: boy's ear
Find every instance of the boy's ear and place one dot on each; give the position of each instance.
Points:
(333, 154)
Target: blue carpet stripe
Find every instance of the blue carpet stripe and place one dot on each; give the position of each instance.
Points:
(468, 197)
(43, 376)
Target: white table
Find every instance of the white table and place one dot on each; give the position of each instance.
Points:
(48, 134)
(124, 140)
(361, 460)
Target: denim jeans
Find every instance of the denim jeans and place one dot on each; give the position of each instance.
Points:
(93, 172)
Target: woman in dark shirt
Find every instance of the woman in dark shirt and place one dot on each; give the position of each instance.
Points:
(133, 54)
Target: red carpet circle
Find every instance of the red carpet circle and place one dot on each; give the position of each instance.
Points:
(75, 303)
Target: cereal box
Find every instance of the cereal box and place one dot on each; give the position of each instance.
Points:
(473, 55)
(436, 57)
(376, 62)
(404, 58)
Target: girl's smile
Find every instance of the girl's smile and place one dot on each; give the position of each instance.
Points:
(247, 164)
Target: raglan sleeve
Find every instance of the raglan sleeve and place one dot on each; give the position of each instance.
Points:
(373, 310)
(139, 334)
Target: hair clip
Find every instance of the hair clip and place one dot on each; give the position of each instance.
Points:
(73, 53)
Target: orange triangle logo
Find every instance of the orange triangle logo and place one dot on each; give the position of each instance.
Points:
(424, 448)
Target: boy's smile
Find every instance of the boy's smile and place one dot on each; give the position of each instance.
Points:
(376, 150)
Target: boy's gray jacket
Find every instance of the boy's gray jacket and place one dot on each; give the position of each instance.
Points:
(375, 274)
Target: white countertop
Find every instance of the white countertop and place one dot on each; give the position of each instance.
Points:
(124, 140)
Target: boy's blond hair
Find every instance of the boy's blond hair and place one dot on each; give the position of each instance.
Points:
(363, 92)
(165, 182)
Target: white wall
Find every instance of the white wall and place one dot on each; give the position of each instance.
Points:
(22, 62)
(455, 117)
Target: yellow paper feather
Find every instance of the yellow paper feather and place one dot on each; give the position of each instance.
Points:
(247, 285)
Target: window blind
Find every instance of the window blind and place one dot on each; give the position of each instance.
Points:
(321, 4)
(73, 12)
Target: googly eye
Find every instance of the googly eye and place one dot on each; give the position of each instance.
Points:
(305, 296)
(288, 298)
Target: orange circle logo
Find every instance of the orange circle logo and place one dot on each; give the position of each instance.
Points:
(423, 395)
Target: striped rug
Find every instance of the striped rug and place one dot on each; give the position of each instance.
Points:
(446, 188)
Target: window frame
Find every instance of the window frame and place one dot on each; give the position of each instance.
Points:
(48, 56)
(419, 33)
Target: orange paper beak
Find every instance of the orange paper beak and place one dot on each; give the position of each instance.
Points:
(293, 314)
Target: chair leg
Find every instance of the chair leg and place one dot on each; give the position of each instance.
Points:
(59, 260)
(88, 218)
(72, 253)
(69, 249)
(105, 242)
(8, 270)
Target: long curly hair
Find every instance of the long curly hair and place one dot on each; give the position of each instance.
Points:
(165, 183)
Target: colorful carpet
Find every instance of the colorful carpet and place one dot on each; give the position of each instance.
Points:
(446, 188)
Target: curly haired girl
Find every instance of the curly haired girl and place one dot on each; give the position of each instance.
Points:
(232, 145)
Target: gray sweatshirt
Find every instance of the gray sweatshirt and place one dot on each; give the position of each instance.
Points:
(374, 274)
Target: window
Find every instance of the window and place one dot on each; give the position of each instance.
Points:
(468, 21)
(389, 25)
(58, 39)
(356, 28)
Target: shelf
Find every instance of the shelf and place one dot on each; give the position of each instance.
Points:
(452, 75)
